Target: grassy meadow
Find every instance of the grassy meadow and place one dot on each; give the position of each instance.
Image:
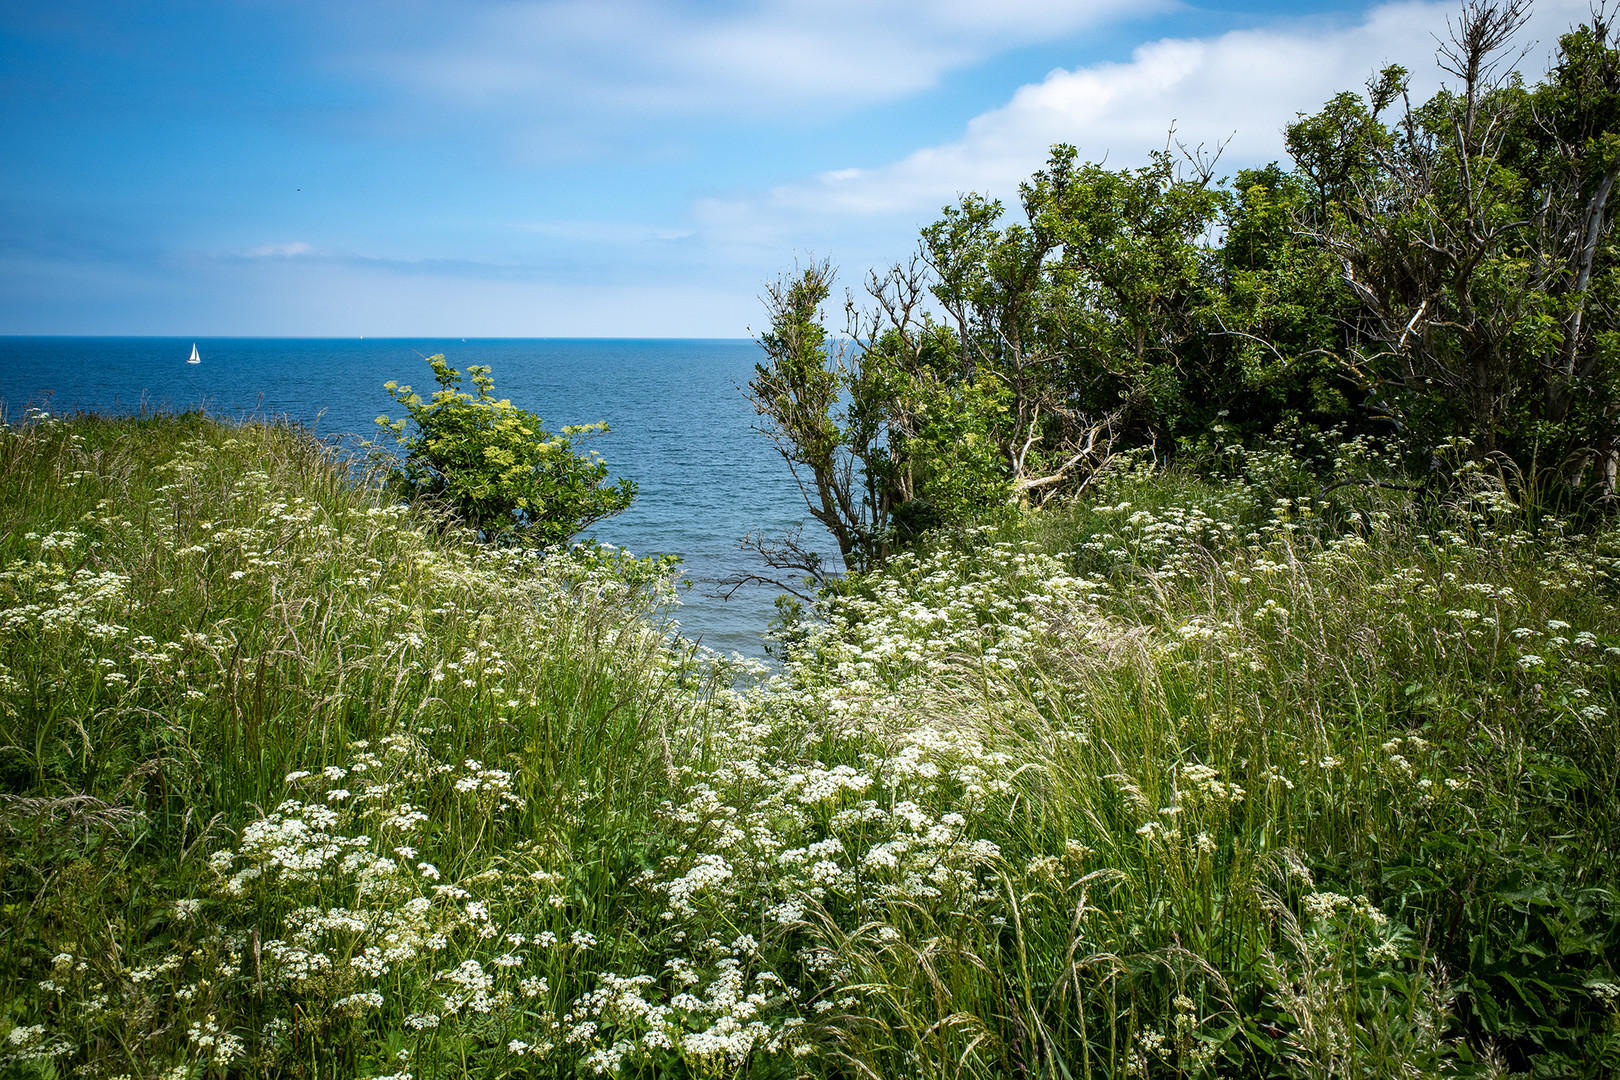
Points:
(1267, 768)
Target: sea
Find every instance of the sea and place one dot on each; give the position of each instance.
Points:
(680, 427)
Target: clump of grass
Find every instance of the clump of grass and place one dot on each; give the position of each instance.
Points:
(1211, 775)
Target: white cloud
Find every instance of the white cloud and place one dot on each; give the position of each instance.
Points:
(279, 251)
(1245, 84)
(768, 57)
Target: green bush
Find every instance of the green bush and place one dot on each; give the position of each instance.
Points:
(497, 467)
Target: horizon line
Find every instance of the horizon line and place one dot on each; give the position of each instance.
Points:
(380, 337)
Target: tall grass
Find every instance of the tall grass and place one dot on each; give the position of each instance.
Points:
(195, 614)
(1213, 775)
(1343, 776)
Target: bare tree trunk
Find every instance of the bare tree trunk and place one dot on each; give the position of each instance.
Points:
(1558, 389)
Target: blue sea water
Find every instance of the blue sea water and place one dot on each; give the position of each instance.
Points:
(681, 428)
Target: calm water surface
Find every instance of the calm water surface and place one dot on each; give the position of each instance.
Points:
(681, 428)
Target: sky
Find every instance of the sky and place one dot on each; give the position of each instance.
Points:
(593, 168)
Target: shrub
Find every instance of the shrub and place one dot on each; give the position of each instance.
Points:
(495, 464)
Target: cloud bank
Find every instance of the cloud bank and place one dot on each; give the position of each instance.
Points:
(1244, 86)
(766, 58)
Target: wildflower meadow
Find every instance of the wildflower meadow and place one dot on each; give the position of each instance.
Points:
(1263, 765)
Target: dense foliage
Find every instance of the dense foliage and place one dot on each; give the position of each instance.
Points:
(495, 465)
(1424, 270)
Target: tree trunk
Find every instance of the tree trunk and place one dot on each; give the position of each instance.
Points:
(1558, 388)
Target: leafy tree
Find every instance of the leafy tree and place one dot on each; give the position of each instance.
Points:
(1134, 306)
(1068, 333)
(1441, 269)
(496, 466)
(1473, 231)
(1280, 313)
(1135, 279)
(883, 434)
(1080, 315)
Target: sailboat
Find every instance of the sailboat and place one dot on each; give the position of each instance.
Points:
(195, 359)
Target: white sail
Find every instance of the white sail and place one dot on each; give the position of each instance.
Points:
(195, 359)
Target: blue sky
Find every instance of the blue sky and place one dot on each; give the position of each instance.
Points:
(589, 167)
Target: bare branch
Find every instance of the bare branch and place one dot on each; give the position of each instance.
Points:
(1202, 162)
(781, 555)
